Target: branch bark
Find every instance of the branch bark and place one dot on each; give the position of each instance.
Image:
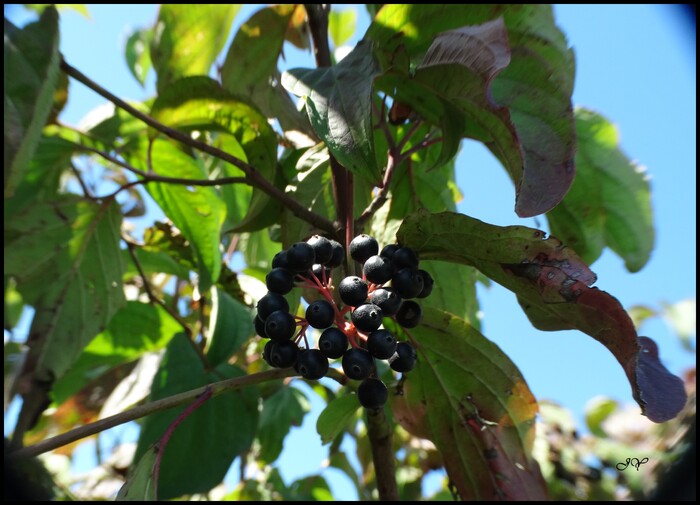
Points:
(380, 437)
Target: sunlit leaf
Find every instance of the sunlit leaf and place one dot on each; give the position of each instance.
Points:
(140, 484)
(471, 401)
(339, 105)
(341, 25)
(138, 54)
(553, 287)
(281, 411)
(187, 38)
(31, 68)
(598, 409)
(336, 416)
(609, 203)
(231, 326)
(79, 8)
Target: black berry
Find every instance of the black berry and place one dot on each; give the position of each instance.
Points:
(279, 280)
(322, 247)
(372, 393)
(410, 314)
(381, 344)
(311, 364)
(357, 363)
(280, 260)
(362, 247)
(270, 303)
(377, 269)
(427, 284)
(353, 291)
(266, 352)
(283, 354)
(404, 359)
(280, 325)
(332, 343)
(404, 257)
(367, 317)
(337, 256)
(386, 299)
(320, 314)
(259, 327)
(300, 257)
(388, 251)
(407, 282)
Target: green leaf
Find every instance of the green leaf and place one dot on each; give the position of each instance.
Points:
(140, 485)
(74, 244)
(79, 8)
(312, 488)
(136, 329)
(339, 105)
(553, 287)
(471, 401)
(336, 416)
(153, 262)
(284, 409)
(527, 120)
(188, 38)
(232, 326)
(258, 249)
(205, 444)
(251, 65)
(200, 103)
(197, 211)
(13, 304)
(609, 203)
(598, 409)
(138, 54)
(341, 26)
(31, 68)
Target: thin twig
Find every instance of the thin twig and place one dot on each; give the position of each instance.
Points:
(163, 442)
(145, 410)
(83, 186)
(381, 195)
(189, 334)
(253, 177)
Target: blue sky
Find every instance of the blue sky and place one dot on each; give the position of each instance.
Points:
(635, 65)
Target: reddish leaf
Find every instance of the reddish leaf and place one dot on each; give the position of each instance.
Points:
(553, 286)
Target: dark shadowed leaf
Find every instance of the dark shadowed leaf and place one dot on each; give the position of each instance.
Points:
(280, 412)
(31, 71)
(609, 203)
(134, 330)
(138, 53)
(471, 401)
(188, 38)
(230, 328)
(339, 105)
(534, 145)
(250, 68)
(205, 444)
(553, 287)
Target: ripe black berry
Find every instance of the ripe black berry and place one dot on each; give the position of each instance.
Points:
(300, 257)
(377, 269)
(381, 344)
(321, 272)
(404, 257)
(280, 260)
(338, 255)
(357, 363)
(279, 280)
(362, 247)
(311, 364)
(427, 284)
(260, 327)
(386, 299)
(266, 352)
(280, 325)
(407, 282)
(372, 393)
(404, 359)
(332, 343)
(353, 291)
(367, 317)
(320, 314)
(270, 303)
(283, 354)
(410, 314)
(388, 251)
(322, 247)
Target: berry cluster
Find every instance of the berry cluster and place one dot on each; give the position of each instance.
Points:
(390, 279)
